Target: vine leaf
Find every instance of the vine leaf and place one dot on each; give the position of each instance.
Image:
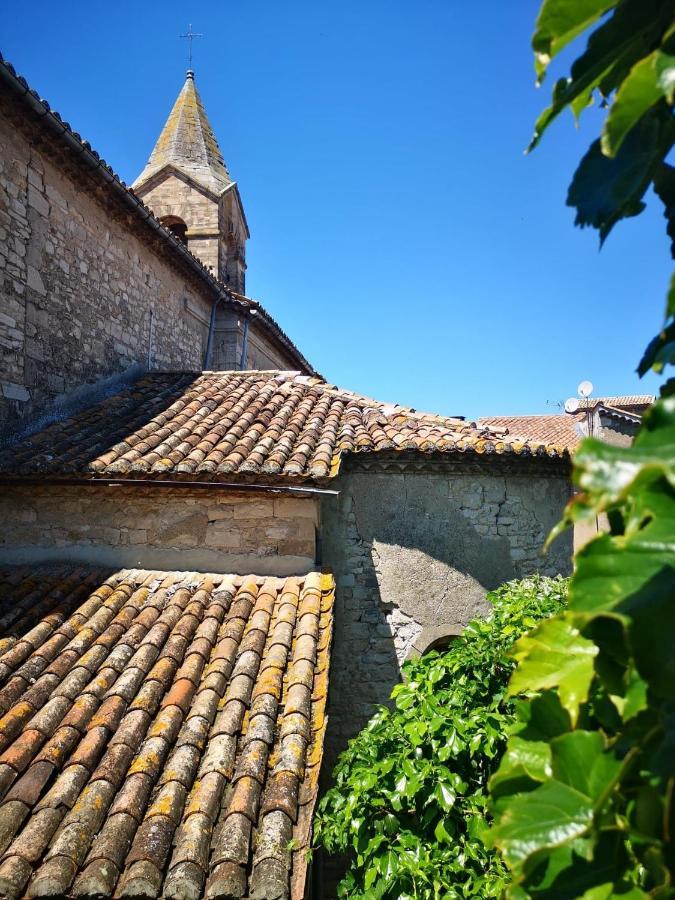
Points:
(551, 815)
(555, 655)
(641, 89)
(561, 810)
(559, 22)
(605, 190)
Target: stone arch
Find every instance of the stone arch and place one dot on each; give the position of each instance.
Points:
(176, 226)
(434, 637)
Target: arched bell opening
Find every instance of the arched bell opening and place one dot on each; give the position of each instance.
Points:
(176, 226)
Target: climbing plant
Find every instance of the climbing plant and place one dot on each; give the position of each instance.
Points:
(409, 800)
(584, 797)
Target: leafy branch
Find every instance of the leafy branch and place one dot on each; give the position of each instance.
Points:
(583, 796)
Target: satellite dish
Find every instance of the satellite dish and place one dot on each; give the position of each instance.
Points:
(571, 405)
(585, 389)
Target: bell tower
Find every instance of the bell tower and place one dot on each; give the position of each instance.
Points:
(187, 186)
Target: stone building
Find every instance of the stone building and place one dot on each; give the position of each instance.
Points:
(189, 189)
(615, 420)
(193, 514)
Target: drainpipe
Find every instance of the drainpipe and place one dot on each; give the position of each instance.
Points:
(152, 317)
(209, 340)
(244, 347)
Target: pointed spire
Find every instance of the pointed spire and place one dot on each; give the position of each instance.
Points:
(188, 143)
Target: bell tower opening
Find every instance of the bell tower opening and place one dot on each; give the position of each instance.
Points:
(176, 226)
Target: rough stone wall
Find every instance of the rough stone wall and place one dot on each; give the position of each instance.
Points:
(79, 288)
(174, 196)
(216, 231)
(179, 528)
(228, 343)
(415, 550)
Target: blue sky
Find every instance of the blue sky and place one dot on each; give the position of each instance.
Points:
(399, 234)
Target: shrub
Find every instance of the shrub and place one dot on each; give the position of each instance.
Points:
(409, 800)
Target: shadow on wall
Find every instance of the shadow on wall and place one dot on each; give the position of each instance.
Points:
(414, 554)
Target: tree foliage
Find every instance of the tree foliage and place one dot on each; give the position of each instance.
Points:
(409, 800)
(584, 795)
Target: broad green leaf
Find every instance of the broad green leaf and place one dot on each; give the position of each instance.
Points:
(603, 190)
(665, 72)
(632, 577)
(549, 816)
(660, 351)
(555, 655)
(664, 188)
(542, 718)
(441, 834)
(639, 91)
(613, 49)
(579, 759)
(524, 761)
(571, 874)
(559, 22)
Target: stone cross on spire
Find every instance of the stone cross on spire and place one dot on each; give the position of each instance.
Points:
(190, 35)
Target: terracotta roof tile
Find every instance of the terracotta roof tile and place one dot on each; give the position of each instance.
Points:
(186, 732)
(224, 426)
(559, 430)
(632, 402)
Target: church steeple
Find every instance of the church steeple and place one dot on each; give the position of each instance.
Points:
(188, 143)
(187, 185)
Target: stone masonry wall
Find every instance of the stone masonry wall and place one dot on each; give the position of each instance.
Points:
(82, 295)
(178, 528)
(173, 196)
(413, 551)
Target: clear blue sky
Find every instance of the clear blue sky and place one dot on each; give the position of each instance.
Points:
(399, 234)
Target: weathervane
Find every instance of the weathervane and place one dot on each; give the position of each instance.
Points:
(190, 35)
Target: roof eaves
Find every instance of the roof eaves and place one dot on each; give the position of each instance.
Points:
(99, 168)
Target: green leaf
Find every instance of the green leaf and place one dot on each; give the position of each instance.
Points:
(579, 760)
(613, 49)
(665, 73)
(555, 655)
(639, 91)
(445, 795)
(370, 876)
(523, 761)
(559, 22)
(441, 834)
(605, 190)
(664, 188)
(550, 816)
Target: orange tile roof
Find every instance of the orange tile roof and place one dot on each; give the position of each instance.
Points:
(627, 401)
(152, 724)
(558, 430)
(224, 426)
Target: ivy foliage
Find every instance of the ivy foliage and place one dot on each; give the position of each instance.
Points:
(584, 797)
(409, 800)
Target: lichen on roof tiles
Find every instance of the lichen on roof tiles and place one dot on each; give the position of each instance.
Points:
(145, 738)
(228, 426)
